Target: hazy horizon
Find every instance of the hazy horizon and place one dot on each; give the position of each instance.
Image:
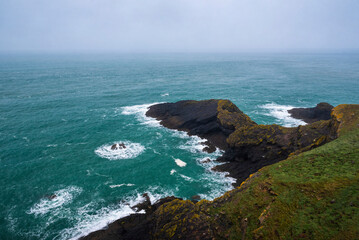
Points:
(179, 26)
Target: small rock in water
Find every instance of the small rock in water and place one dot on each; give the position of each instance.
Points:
(207, 160)
(210, 149)
(53, 196)
(117, 146)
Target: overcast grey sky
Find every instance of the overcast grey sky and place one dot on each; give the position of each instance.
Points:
(178, 25)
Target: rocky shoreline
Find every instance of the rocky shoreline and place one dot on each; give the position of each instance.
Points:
(248, 147)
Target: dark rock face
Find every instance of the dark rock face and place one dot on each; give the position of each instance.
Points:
(210, 119)
(309, 115)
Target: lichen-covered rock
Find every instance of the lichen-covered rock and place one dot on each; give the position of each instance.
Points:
(180, 219)
(230, 117)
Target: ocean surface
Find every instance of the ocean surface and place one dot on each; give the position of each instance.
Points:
(60, 114)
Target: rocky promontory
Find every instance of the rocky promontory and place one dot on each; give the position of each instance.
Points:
(292, 183)
(248, 146)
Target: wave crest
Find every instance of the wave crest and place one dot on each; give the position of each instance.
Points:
(280, 112)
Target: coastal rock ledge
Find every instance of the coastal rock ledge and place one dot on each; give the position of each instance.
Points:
(304, 196)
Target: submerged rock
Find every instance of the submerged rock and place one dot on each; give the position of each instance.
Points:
(52, 196)
(309, 115)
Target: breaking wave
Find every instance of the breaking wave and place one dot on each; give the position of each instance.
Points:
(280, 112)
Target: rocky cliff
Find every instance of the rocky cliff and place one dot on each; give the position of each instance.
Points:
(306, 189)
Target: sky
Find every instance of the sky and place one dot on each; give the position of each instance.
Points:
(178, 25)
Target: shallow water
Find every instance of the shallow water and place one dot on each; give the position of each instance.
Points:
(61, 114)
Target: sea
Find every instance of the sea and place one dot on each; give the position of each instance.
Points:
(61, 113)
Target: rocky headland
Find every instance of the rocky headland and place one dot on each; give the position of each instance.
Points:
(292, 183)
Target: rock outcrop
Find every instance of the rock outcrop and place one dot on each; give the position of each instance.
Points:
(309, 115)
(212, 119)
(118, 146)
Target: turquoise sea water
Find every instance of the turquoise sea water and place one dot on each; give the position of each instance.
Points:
(59, 114)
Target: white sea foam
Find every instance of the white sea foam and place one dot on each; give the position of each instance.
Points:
(140, 112)
(86, 221)
(165, 94)
(218, 182)
(193, 144)
(154, 151)
(132, 150)
(172, 171)
(60, 198)
(189, 179)
(123, 184)
(280, 112)
(179, 162)
(51, 145)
